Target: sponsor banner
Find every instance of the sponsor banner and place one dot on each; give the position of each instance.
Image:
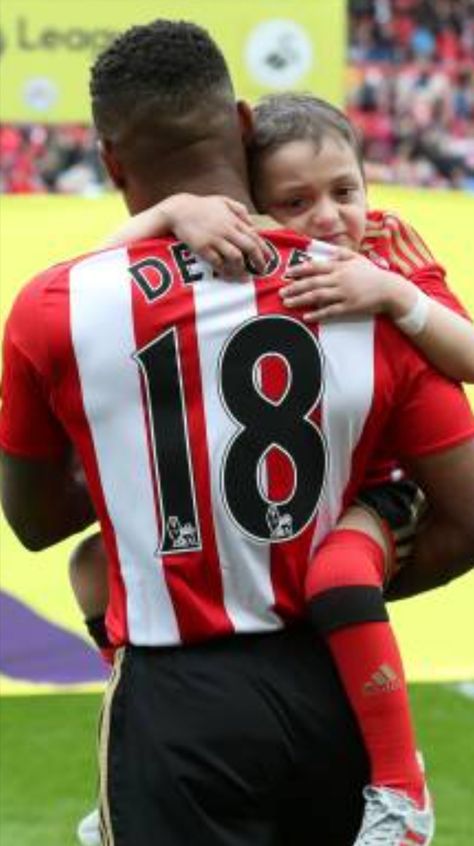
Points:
(47, 47)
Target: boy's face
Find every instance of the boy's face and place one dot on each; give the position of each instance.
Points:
(320, 193)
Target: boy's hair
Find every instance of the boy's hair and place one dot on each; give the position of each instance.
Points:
(282, 118)
(162, 68)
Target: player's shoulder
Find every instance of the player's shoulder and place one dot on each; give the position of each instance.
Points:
(294, 247)
(58, 275)
(281, 237)
(94, 257)
(32, 296)
(60, 270)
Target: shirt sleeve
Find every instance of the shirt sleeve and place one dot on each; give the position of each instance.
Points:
(28, 426)
(390, 239)
(409, 255)
(432, 281)
(406, 250)
(431, 415)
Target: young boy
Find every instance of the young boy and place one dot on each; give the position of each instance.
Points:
(307, 174)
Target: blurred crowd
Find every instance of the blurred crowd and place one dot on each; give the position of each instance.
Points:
(59, 159)
(410, 91)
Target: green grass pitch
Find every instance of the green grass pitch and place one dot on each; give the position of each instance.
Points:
(48, 775)
(47, 753)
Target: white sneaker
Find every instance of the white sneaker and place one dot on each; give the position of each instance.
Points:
(392, 819)
(88, 830)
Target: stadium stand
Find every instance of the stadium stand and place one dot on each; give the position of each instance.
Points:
(410, 90)
(49, 159)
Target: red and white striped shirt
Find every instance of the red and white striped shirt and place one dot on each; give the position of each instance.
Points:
(221, 437)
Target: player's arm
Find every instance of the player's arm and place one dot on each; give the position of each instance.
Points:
(432, 433)
(43, 496)
(218, 229)
(444, 546)
(43, 500)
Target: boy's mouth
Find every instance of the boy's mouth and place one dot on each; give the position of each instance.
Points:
(335, 237)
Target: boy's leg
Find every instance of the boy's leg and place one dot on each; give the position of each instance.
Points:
(88, 830)
(347, 608)
(88, 578)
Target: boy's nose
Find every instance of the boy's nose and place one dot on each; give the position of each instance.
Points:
(324, 214)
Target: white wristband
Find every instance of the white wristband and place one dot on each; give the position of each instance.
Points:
(414, 321)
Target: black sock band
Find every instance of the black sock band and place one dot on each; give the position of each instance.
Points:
(339, 607)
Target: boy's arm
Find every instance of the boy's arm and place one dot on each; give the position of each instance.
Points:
(88, 576)
(351, 284)
(216, 228)
(446, 338)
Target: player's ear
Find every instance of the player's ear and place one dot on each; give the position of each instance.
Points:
(245, 115)
(111, 163)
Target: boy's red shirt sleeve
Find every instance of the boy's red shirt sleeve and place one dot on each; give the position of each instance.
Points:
(395, 243)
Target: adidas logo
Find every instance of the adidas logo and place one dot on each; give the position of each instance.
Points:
(412, 838)
(384, 680)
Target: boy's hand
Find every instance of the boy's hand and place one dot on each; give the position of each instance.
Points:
(219, 230)
(348, 284)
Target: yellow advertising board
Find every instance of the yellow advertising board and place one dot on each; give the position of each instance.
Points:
(47, 47)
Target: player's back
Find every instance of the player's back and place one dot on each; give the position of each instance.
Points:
(218, 433)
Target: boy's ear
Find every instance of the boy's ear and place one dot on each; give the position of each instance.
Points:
(245, 114)
(111, 162)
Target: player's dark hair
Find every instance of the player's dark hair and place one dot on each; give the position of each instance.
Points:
(161, 68)
(282, 118)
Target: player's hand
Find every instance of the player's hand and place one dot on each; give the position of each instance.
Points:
(347, 284)
(219, 230)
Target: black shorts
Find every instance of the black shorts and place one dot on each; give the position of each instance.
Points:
(247, 741)
(398, 507)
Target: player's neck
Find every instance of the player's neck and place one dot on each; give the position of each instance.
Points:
(192, 174)
(138, 201)
(220, 180)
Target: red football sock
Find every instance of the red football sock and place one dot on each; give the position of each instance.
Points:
(368, 661)
(369, 664)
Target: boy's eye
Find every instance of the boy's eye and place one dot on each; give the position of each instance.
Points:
(345, 192)
(294, 203)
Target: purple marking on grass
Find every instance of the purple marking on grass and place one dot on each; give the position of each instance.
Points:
(35, 649)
